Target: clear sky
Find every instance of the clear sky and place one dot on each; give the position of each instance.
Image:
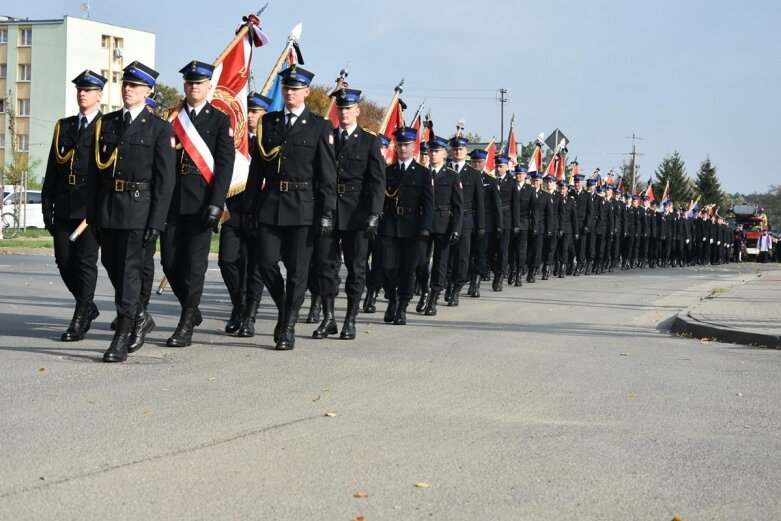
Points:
(700, 77)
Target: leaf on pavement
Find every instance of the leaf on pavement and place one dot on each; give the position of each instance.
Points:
(626, 354)
(148, 412)
(316, 399)
(212, 378)
(326, 389)
(677, 518)
(359, 518)
(361, 495)
(422, 484)
(632, 396)
(330, 414)
(42, 370)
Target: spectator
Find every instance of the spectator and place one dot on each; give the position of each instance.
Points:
(739, 243)
(765, 245)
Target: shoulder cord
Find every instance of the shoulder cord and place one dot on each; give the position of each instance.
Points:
(112, 160)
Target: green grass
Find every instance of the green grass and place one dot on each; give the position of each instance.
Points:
(34, 238)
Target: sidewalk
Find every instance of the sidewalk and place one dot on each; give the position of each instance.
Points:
(748, 313)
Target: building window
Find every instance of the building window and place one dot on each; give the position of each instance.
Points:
(3, 35)
(2, 141)
(115, 77)
(25, 72)
(119, 43)
(25, 37)
(104, 108)
(114, 108)
(105, 41)
(2, 105)
(24, 107)
(24, 142)
(104, 73)
(3, 70)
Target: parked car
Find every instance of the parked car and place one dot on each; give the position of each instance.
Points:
(30, 215)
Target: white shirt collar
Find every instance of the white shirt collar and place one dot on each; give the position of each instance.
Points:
(297, 112)
(89, 116)
(406, 164)
(197, 109)
(437, 170)
(349, 130)
(460, 165)
(133, 112)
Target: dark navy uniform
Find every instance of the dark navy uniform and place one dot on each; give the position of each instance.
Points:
(492, 205)
(360, 191)
(64, 204)
(527, 220)
(133, 183)
(446, 225)
(197, 203)
(472, 229)
(408, 215)
(508, 195)
(297, 189)
(568, 229)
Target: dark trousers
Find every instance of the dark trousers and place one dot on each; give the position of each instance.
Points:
(238, 265)
(459, 257)
(629, 248)
(355, 247)
(591, 246)
(519, 250)
(665, 249)
(185, 257)
(422, 270)
(122, 254)
(549, 249)
(398, 258)
(441, 247)
(374, 277)
(580, 246)
(498, 251)
(616, 248)
(292, 245)
(480, 255)
(600, 247)
(148, 272)
(537, 243)
(562, 249)
(77, 261)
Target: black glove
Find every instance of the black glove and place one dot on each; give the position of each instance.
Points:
(327, 224)
(372, 223)
(454, 238)
(424, 234)
(560, 234)
(516, 232)
(211, 217)
(48, 221)
(150, 234)
(479, 233)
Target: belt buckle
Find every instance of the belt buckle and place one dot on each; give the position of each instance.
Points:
(399, 210)
(71, 179)
(341, 189)
(284, 186)
(119, 185)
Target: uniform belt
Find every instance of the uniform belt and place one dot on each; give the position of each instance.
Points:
(120, 185)
(442, 207)
(468, 211)
(506, 206)
(74, 179)
(343, 188)
(288, 186)
(188, 169)
(403, 210)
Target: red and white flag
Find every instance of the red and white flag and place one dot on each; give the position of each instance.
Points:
(490, 160)
(395, 122)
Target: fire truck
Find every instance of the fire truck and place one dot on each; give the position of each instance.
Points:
(753, 222)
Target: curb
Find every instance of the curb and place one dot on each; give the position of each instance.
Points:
(685, 324)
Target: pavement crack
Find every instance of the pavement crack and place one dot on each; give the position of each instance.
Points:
(169, 454)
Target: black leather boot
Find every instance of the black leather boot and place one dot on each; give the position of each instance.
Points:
(234, 322)
(431, 305)
(511, 277)
(142, 325)
(279, 326)
(390, 313)
(448, 292)
(530, 276)
(117, 350)
(370, 302)
(348, 329)
(423, 299)
(287, 337)
(545, 272)
(454, 298)
(247, 326)
(401, 313)
(470, 291)
(183, 335)
(562, 270)
(79, 323)
(328, 325)
(498, 282)
(476, 294)
(314, 310)
(588, 268)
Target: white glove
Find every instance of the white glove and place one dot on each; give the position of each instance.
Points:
(704, 239)
(687, 241)
(718, 243)
(711, 241)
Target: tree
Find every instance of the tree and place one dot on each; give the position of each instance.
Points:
(708, 187)
(473, 138)
(673, 170)
(166, 98)
(19, 172)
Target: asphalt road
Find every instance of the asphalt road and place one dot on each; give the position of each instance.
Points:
(564, 400)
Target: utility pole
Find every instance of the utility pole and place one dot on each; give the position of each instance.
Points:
(502, 99)
(634, 159)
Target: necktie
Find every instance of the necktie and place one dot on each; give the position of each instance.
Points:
(342, 139)
(127, 120)
(192, 115)
(457, 168)
(290, 120)
(82, 124)
(402, 168)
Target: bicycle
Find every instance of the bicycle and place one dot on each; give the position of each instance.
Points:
(10, 223)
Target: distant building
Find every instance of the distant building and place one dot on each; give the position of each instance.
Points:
(38, 60)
